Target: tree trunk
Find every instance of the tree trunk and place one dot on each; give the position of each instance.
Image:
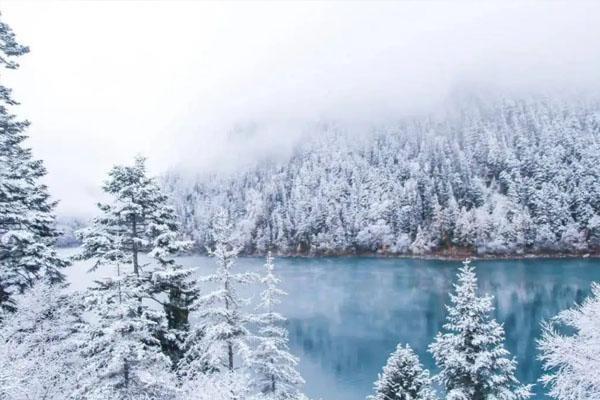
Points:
(126, 372)
(134, 249)
(229, 344)
(230, 354)
(176, 310)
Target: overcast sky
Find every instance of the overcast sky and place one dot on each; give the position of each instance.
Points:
(107, 80)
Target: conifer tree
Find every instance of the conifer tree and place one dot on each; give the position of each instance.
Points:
(122, 354)
(222, 333)
(139, 221)
(27, 232)
(129, 224)
(271, 360)
(39, 345)
(569, 355)
(470, 353)
(403, 378)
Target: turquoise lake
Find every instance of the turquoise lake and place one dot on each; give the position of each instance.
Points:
(345, 315)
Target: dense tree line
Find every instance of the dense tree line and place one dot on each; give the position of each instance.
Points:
(508, 177)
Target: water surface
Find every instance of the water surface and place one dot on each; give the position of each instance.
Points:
(345, 315)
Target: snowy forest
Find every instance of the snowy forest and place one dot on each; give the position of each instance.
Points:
(503, 177)
(510, 177)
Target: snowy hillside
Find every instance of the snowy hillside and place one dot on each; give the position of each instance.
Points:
(509, 177)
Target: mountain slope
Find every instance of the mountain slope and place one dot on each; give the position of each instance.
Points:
(507, 177)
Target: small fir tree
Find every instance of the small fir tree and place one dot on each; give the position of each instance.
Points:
(403, 378)
(470, 353)
(271, 360)
(222, 332)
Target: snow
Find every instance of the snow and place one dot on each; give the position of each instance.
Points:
(571, 360)
(403, 377)
(504, 178)
(508, 176)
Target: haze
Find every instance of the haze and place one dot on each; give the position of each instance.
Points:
(178, 82)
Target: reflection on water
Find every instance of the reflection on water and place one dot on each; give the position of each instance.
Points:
(347, 314)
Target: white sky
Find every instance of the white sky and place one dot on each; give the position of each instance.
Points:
(172, 80)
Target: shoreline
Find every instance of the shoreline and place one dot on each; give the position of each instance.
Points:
(434, 256)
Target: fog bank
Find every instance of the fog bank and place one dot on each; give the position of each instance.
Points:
(206, 86)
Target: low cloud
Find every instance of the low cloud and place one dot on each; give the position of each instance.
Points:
(209, 86)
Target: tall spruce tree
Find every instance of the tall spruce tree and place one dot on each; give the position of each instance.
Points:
(27, 232)
(470, 353)
(273, 364)
(139, 221)
(403, 378)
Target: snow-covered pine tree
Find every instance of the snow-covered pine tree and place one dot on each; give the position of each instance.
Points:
(222, 333)
(471, 356)
(128, 226)
(403, 378)
(571, 362)
(39, 345)
(27, 232)
(273, 364)
(122, 355)
(140, 221)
